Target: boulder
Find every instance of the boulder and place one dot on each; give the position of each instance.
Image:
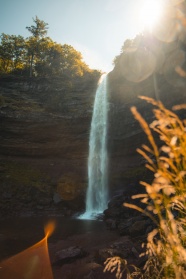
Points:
(69, 255)
(138, 227)
(85, 271)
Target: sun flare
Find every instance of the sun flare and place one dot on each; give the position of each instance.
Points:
(149, 13)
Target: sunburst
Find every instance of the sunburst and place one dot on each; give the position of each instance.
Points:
(150, 13)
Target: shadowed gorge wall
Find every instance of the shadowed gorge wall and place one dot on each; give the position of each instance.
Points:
(125, 134)
(48, 138)
(44, 131)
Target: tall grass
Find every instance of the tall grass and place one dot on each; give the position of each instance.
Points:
(165, 198)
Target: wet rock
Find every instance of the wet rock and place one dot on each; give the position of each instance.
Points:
(111, 224)
(123, 248)
(85, 271)
(135, 252)
(138, 227)
(122, 243)
(116, 209)
(134, 226)
(45, 201)
(2, 237)
(109, 252)
(39, 207)
(7, 195)
(56, 198)
(69, 255)
(126, 220)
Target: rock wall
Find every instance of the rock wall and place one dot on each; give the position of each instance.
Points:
(44, 141)
(125, 133)
(44, 135)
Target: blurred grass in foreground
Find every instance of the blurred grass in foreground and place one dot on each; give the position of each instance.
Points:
(165, 198)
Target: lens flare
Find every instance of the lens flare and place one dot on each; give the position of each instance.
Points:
(138, 65)
(32, 263)
(150, 13)
(49, 228)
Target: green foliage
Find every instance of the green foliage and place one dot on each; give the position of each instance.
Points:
(165, 198)
(38, 30)
(72, 61)
(59, 60)
(11, 52)
(38, 55)
(35, 42)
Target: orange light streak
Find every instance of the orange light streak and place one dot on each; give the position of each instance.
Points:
(32, 263)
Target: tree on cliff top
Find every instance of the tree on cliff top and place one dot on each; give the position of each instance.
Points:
(38, 31)
(38, 55)
(40, 28)
(11, 52)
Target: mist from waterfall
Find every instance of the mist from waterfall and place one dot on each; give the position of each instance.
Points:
(97, 192)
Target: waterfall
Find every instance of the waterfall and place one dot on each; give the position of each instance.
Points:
(97, 192)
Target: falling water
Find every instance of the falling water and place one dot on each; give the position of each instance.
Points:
(97, 192)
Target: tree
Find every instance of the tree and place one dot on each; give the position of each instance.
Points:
(49, 62)
(6, 53)
(71, 62)
(59, 60)
(12, 50)
(38, 31)
(18, 45)
(40, 55)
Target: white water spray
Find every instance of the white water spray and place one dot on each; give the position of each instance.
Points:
(97, 192)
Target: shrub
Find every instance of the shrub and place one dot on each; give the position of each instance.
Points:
(165, 198)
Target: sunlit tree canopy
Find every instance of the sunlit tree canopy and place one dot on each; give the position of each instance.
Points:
(38, 55)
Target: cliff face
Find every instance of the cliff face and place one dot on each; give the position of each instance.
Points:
(125, 134)
(44, 142)
(44, 138)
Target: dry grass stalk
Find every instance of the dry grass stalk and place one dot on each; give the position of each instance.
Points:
(166, 196)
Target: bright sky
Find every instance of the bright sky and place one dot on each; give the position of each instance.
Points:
(96, 28)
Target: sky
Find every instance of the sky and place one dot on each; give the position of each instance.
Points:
(96, 28)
